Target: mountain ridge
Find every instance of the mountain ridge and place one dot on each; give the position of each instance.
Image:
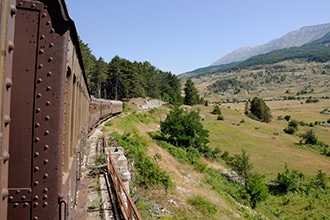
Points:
(295, 38)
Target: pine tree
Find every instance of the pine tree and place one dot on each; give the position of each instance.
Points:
(260, 110)
(100, 75)
(191, 93)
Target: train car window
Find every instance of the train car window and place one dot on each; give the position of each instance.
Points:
(68, 72)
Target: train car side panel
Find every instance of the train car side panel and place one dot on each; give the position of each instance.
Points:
(76, 125)
(7, 19)
(22, 108)
(44, 91)
(36, 194)
(117, 107)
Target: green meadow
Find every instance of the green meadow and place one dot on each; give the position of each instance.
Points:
(198, 193)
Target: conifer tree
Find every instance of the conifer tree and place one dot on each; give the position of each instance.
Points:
(260, 110)
(191, 93)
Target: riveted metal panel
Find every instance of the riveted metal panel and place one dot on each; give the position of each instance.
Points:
(22, 102)
(37, 130)
(7, 19)
(49, 98)
(40, 191)
(22, 112)
(19, 210)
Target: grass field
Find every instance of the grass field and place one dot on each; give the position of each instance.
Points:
(267, 144)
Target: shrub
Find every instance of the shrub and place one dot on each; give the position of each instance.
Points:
(293, 123)
(312, 100)
(290, 130)
(290, 180)
(292, 127)
(319, 181)
(216, 110)
(310, 137)
(220, 117)
(185, 130)
(241, 164)
(287, 117)
(257, 189)
(225, 156)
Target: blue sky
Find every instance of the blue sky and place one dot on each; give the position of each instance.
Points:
(181, 35)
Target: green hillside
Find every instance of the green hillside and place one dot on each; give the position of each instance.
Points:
(200, 190)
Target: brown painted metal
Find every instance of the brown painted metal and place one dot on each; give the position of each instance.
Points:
(36, 135)
(44, 104)
(7, 19)
(50, 111)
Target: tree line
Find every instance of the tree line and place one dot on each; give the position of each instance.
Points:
(122, 79)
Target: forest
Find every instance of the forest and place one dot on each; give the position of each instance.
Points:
(122, 79)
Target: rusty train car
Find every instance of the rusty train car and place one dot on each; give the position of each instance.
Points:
(46, 110)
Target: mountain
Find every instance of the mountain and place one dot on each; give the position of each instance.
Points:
(292, 39)
(317, 51)
(295, 72)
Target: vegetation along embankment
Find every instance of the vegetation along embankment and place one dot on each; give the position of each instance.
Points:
(234, 165)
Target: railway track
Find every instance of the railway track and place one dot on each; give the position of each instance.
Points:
(103, 194)
(95, 194)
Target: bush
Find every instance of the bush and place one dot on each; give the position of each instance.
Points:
(220, 117)
(312, 100)
(310, 137)
(290, 130)
(257, 189)
(184, 129)
(293, 123)
(290, 180)
(287, 117)
(216, 110)
(225, 156)
(320, 181)
(292, 127)
(241, 164)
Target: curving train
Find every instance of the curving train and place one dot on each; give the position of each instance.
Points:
(46, 110)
